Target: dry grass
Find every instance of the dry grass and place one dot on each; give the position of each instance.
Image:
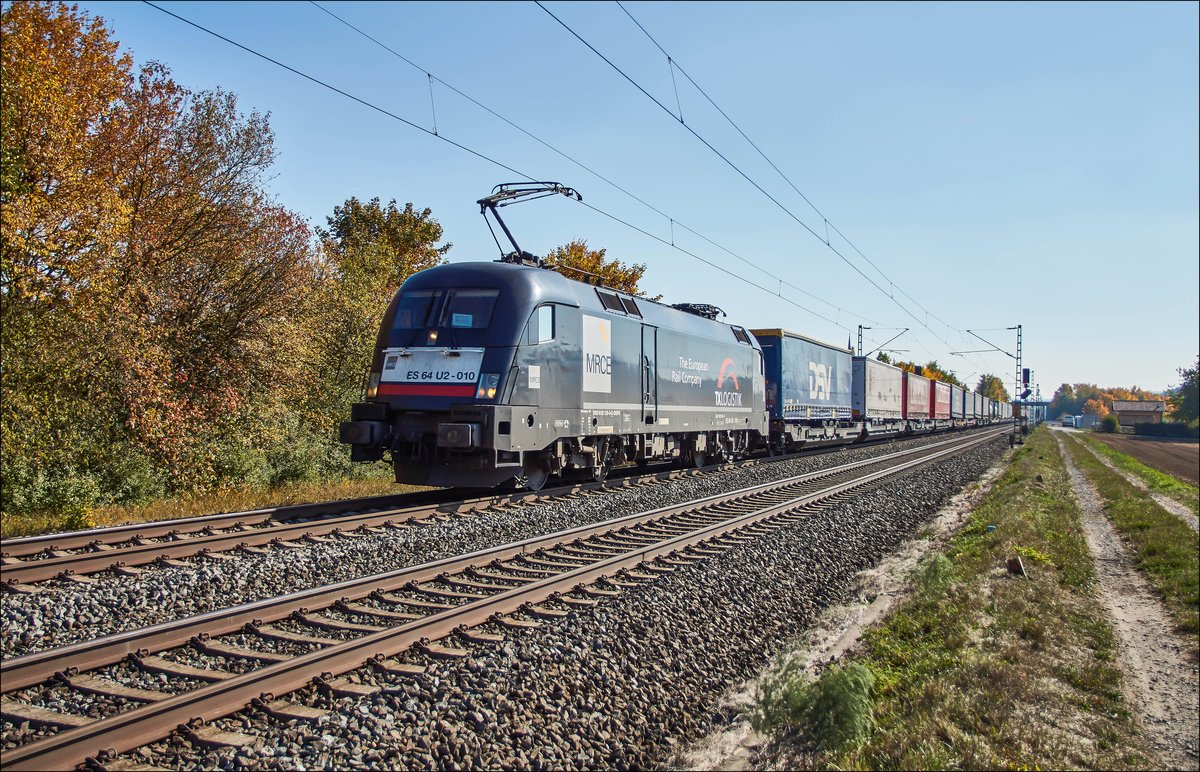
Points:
(981, 669)
(229, 500)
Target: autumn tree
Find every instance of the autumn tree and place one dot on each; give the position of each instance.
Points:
(931, 369)
(1088, 398)
(992, 387)
(935, 370)
(576, 261)
(147, 281)
(368, 251)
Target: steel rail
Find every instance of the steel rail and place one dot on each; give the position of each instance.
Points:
(115, 534)
(16, 572)
(138, 726)
(21, 672)
(448, 499)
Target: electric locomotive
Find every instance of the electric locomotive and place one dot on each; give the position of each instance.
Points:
(487, 373)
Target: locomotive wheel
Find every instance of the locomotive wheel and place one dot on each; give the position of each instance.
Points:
(536, 472)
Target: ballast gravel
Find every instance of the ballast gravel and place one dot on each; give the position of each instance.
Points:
(62, 612)
(620, 685)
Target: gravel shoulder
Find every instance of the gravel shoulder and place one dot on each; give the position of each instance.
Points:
(1159, 664)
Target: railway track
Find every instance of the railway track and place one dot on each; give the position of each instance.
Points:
(473, 598)
(127, 547)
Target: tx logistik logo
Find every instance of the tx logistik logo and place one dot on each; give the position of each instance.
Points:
(728, 398)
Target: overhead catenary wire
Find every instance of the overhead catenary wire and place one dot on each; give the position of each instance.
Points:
(671, 219)
(676, 66)
(707, 144)
(743, 174)
(476, 153)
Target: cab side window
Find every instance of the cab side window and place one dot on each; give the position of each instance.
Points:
(541, 326)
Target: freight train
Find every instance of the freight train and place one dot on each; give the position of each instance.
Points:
(508, 373)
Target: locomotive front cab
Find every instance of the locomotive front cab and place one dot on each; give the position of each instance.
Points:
(450, 396)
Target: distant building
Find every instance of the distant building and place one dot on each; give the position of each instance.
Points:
(1130, 412)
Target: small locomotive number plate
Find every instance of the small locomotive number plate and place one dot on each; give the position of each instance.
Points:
(431, 365)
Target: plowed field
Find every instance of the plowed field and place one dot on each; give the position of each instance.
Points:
(1175, 457)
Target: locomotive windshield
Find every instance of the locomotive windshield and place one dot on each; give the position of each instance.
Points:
(469, 309)
(413, 310)
(457, 309)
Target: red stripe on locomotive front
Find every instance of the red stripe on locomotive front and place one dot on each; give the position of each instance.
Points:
(425, 390)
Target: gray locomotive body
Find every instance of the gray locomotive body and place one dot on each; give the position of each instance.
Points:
(492, 372)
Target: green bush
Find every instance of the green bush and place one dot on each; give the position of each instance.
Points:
(1110, 424)
(835, 712)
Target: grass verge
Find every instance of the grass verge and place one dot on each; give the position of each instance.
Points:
(978, 668)
(1165, 545)
(1159, 482)
(230, 500)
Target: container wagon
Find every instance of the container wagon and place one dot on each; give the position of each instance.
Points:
(918, 413)
(877, 396)
(957, 406)
(809, 387)
(939, 404)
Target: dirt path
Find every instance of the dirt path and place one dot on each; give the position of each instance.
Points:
(1166, 502)
(836, 631)
(1161, 681)
(1175, 457)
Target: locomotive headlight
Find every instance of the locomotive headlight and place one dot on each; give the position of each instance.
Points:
(373, 386)
(487, 386)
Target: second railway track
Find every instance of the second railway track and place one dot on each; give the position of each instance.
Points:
(507, 587)
(130, 548)
(75, 555)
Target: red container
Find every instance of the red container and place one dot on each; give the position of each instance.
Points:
(916, 396)
(939, 400)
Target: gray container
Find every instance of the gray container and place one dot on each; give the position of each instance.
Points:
(956, 401)
(877, 390)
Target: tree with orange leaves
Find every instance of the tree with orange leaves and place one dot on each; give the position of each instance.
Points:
(576, 261)
(146, 278)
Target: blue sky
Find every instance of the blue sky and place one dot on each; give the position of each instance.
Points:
(999, 163)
